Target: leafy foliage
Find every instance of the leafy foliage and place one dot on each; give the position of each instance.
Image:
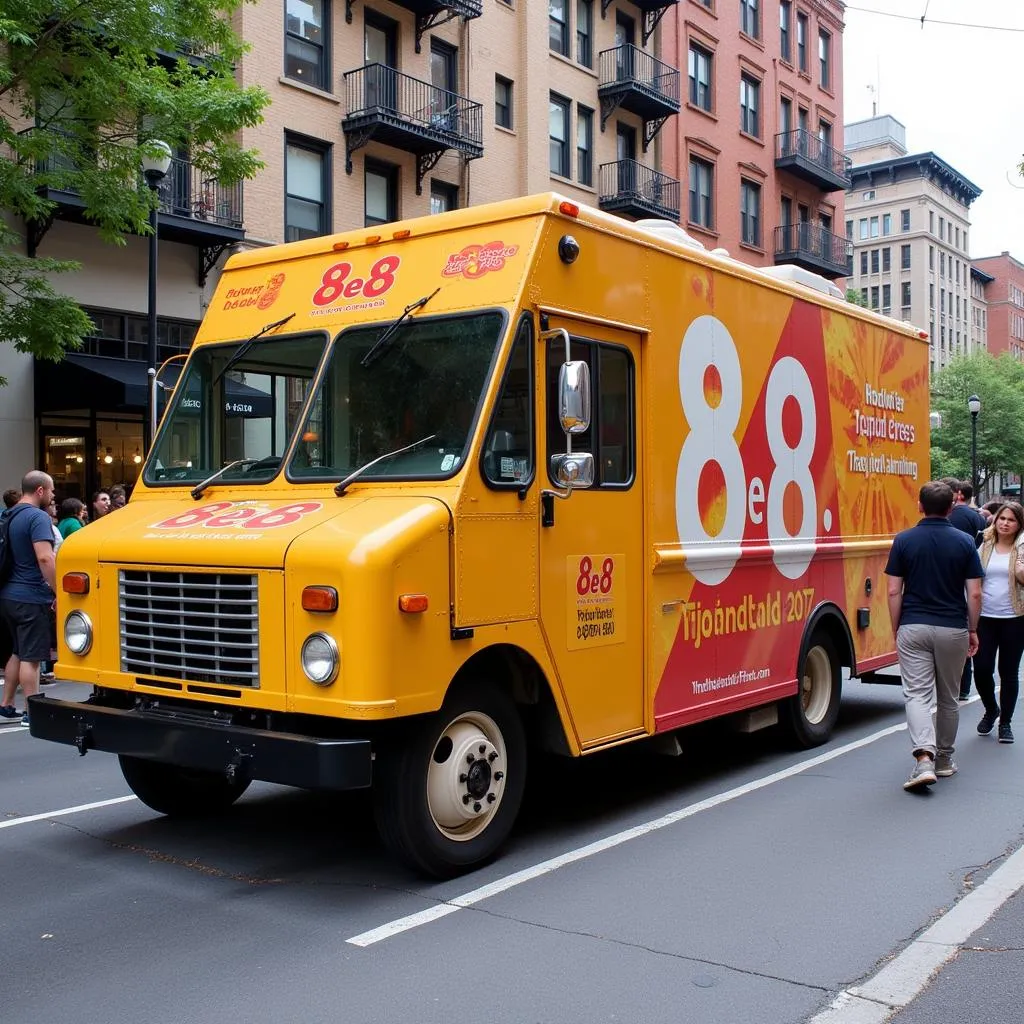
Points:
(853, 295)
(999, 383)
(83, 96)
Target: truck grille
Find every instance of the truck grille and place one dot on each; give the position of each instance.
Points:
(201, 627)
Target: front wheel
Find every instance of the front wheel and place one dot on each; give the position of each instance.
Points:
(810, 716)
(179, 792)
(446, 799)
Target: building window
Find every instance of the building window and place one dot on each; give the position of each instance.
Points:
(443, 197)
(584, 32)
(381, 204)
(801, 42)
(785, 28)
(905, 295)
(785, 115)
(942, 264)
(502, 102)
(886, 260)
(864, 297)
(904, 220)
(749, 103)
(306, 177)
(931, 221)
(864, 262)
(750, 213)
(904, 257)
(750, 19)
(701, 178)
(942, 226)
(849, 229)
(558, 135)
(786, 211)
(558, 26)
(700, 77)
(584, 145)
(886, 223)
(825, 58)
(874, 261)
(874, 227)
(886, 298)
(874, 297)
(305, 42)
(825, 135)
(957, 236)
(931, 257)
(863, 223)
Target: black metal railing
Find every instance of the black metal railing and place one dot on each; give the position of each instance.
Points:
(187, 191)
(629, 65)
(630, 180)
(806, 239)
(379, 90)
(802, 143)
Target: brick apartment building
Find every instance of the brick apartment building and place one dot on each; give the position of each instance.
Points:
(387, 110)
(1004, 299)
(758, 144)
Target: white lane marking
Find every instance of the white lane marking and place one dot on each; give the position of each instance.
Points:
(403, 924)
(905, 977)
(64, 811)
(13, 729)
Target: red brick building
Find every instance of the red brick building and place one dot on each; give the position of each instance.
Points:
(1004, 299)
(757, 146)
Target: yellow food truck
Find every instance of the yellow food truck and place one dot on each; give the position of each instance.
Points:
(432, 494)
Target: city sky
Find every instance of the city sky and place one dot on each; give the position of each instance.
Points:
(957, 90)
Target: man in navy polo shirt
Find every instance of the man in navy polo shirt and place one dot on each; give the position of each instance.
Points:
(934, 603)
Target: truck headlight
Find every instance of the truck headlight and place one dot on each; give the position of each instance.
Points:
(320, 659)
(78, 633)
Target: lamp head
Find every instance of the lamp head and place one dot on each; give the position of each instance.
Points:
(974, 404)
(156, 161)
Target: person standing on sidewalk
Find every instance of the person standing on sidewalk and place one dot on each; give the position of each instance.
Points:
(968, 519)
(934, 595)
(28, 594)
(1001, 626)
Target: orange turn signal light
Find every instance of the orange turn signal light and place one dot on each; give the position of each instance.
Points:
(339, 246)
(413, 603)
(404, 233)
(372, 239)
(568, 209)
(75, 583)
(319, 599)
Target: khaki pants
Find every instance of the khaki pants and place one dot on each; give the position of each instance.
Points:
(931, 662)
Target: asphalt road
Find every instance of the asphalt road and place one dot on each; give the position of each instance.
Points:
(740, 882)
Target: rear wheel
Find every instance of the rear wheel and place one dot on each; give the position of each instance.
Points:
(810, 716)
(179, 792)
(446, 799)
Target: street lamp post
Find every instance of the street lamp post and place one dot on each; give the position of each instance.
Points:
(155, 165)
(974, 405)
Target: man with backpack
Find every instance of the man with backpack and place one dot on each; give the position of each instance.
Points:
(28, 588)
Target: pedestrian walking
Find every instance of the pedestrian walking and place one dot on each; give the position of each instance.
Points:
(934, 595)
(1001, 626)
(71, 518)
(28, 593)
(100, 505)
(973, 523)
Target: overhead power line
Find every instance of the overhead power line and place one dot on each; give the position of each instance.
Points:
(934, 21)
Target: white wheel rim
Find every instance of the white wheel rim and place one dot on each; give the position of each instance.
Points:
(816, 685)
(466, 776)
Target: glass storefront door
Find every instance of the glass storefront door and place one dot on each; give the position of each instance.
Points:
(65, 458)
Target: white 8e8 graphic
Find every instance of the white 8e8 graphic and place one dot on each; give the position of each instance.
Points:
(712, 438)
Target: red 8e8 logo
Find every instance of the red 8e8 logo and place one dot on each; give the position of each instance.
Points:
(589, 582)
(335, 283)
(217, 516)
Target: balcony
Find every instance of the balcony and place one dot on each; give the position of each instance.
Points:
(394, 109)
(195, 209)
(814, 248)
(634, 80)
(652, 10)
(430, 13)
(630, 189)
(805, 156)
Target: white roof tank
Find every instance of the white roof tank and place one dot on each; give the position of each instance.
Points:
(797, 275)
(670, 230)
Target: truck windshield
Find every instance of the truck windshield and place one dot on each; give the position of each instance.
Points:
(428, 381)
(247, 415)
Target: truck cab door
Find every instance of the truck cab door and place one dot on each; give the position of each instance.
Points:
(592, 564)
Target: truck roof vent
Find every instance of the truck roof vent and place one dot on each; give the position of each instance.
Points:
(797, 275)
(670, 230)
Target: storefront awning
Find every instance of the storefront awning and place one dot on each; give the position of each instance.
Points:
(121, 385)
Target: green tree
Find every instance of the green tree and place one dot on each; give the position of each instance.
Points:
(999, 383)
(854, 296)
(83, 97)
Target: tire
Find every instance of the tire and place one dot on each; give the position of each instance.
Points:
(179, 792)
(432, 792)
(810, 716)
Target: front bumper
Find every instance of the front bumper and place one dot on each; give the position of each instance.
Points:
(238, 752)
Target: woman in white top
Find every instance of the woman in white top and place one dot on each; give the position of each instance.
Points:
(1001, 627)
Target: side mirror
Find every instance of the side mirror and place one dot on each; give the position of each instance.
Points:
(574, 396)
(573, 470)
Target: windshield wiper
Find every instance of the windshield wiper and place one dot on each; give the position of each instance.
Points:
(339, 488)
(243, 349)
(389, 332)
(197, 491)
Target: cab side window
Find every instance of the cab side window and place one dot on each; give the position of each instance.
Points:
(508, 454)
(611, 437)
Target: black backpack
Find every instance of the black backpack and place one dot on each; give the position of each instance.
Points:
(6, 555)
